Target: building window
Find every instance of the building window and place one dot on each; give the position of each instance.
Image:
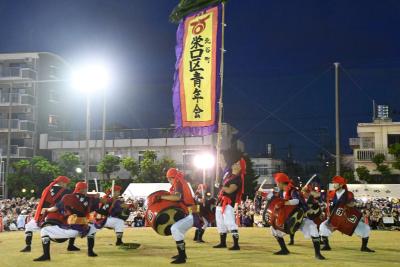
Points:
(367, 142)
(53, 121)
(54, 96)
(393, 139)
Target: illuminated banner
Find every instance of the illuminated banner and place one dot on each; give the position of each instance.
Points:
(197, 81)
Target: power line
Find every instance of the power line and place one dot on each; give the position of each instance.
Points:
(356, 84)
(289, 126)
(283, 104)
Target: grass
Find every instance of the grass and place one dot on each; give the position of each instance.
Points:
(257, 246)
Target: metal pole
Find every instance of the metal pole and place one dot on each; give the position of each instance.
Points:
(103, 147)
(87, 138)
(8, 142)
(337, 117)
(202, 188)
(373, 111)
(220, 104)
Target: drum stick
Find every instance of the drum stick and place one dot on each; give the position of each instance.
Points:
(310, 180)
(95, 183)
(204, 195)
(262, 184)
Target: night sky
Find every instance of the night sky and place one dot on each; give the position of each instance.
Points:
(279, 59)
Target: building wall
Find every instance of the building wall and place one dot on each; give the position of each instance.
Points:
(374, 140)
(181, 150)
(24, 73)
(266, 167)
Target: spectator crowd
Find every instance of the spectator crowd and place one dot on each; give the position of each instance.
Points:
(379, 213)
(16, 212)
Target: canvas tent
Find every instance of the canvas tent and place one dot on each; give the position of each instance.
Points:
(142, 190)
(375, 190)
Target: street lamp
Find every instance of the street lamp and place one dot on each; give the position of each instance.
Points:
(89, 79)
(204, 161)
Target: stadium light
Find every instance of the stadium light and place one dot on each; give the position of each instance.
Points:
(204, 161)
(89, 79)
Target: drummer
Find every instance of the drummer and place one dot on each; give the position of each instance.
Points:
(289, 193)
(179, 192)
(340, 195)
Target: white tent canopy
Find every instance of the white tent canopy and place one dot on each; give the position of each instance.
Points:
(375, 190)
(142, 190)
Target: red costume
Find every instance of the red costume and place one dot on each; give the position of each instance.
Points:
(50, 196)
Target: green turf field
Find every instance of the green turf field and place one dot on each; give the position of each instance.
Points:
(257, 246)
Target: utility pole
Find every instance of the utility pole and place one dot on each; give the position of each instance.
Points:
(337, 117)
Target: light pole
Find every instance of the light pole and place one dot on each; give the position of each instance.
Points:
(204, 161)
(89, 79)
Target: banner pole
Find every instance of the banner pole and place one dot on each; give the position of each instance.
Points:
(220, 103)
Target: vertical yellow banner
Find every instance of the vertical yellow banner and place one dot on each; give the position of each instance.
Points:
(198, 69)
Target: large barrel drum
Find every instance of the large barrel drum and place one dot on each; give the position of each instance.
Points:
(345, 219)
(286, 218)
(162, 214)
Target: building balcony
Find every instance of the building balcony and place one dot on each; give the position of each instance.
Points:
(17, 73)
(366, 155)
(17, 125)
(17, 99)
(17, 152)
(354, 143)
(121, 139)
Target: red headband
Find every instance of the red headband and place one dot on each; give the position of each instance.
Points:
(62, 179)
(172, 172)
(79, 186)
(281, 177)
(339, 180)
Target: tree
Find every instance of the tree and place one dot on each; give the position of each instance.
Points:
(384, 169)
(108, 165)
(132, 166)
(395, 151)
(349, 175)
(378, 159)
(35, 175)
(250, 179)
(43, 171)
(363, 174)
(20, 179)
(68, 163)
(153, 170)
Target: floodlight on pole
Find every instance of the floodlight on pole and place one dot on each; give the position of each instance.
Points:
(204, 161)
(88, 79)
(91, 78)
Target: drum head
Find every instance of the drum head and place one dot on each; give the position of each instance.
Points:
(294, 222)
(166, 218)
